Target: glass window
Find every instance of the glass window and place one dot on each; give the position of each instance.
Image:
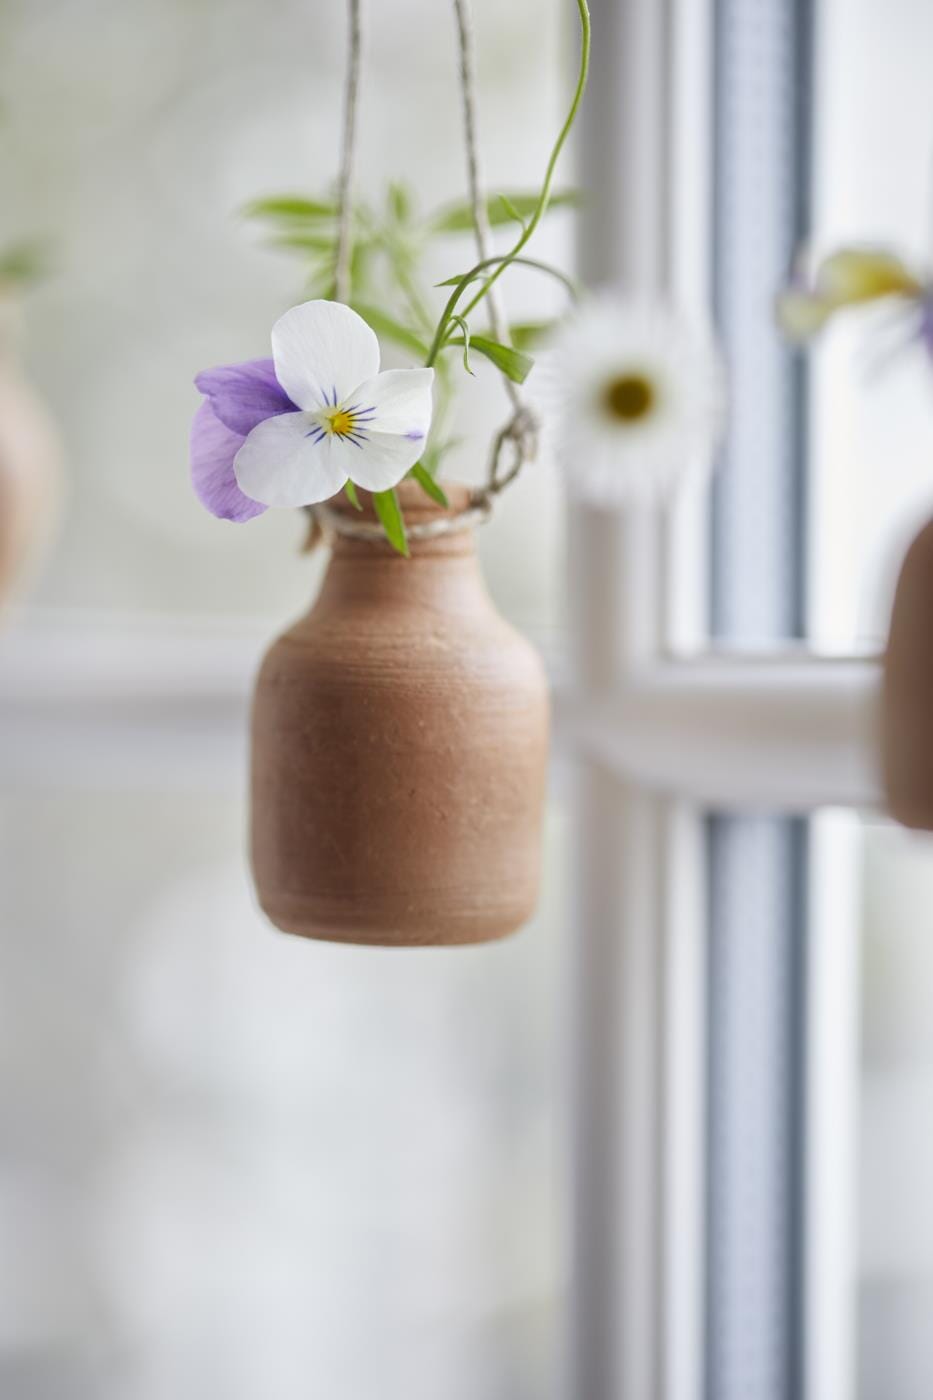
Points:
(871, 425)
(823, 117)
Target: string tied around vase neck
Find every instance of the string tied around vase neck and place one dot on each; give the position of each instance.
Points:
(329, 521)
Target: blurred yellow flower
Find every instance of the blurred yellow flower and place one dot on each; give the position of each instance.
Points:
(848, 277)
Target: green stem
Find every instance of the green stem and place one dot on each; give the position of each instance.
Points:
(500, 263)
(537, 216)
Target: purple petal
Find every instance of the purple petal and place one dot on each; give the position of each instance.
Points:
(926, 323)
(213, 448)
(244, 395)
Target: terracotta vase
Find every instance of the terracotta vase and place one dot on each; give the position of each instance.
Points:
(399, 751)
(907, 691)
(29, 468)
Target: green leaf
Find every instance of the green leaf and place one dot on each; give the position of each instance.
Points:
(500, 209)
(360, 255)
(393, 522)
(303, 242)
(352, 497)
(513, 363)
(510, 209)
(389, 329)
(290, 206)
(399, 202)
(529, 333)
(511, 261)
(23, 263)
(427, 483)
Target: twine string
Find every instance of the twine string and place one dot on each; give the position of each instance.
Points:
(480, 211)
(337, 522)
(348, 155)
(520, 433)
(344, 251)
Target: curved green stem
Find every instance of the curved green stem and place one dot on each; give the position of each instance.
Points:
(537, 216)
(501, 262)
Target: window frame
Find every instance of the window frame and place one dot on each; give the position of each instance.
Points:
(665, 728)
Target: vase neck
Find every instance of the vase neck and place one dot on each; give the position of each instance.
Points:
(440, 573)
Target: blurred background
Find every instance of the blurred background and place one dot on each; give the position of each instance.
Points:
(235, 1165)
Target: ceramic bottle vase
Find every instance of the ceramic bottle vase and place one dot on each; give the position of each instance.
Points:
(907, 692)
(29, 467)
(399, 751)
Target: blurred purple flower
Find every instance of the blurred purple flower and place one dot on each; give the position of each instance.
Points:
(926, 323)
(237, 398)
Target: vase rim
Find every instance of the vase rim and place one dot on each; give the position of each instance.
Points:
(417, 506)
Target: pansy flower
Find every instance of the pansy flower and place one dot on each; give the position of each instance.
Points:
(294, 430)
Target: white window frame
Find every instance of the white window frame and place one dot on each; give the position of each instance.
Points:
(663, 734)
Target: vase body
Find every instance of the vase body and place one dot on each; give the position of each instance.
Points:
(399, 752)
(29, 473)
(907, 691)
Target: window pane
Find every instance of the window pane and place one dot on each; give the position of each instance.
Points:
(895, 1168)
(757, 864)
(756, 1048)
(872, 430)
(760, 193)
(873, 893)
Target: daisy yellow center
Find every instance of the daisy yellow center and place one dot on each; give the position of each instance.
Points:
(629, 397)
(340, 422)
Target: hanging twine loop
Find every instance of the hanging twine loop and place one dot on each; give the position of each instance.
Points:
(519, 436)
(348, 156)
(517, 441)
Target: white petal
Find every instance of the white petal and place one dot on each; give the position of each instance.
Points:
(279, 464)
(608, 462)
(321, 349)
(399, 399)
(396, 412)
(378, 463)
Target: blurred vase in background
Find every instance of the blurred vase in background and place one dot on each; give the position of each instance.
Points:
(30, 463)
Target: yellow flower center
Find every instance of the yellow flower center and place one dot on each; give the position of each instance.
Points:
(339, 422)
(629, 397)
(351, 422)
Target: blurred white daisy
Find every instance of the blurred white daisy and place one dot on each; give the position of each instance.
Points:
(634, 398)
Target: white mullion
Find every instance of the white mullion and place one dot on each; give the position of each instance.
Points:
(641, 1144)
(617, 992)
(618, 607)
(683, 1164)
(785, 732)
(832, 1039)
